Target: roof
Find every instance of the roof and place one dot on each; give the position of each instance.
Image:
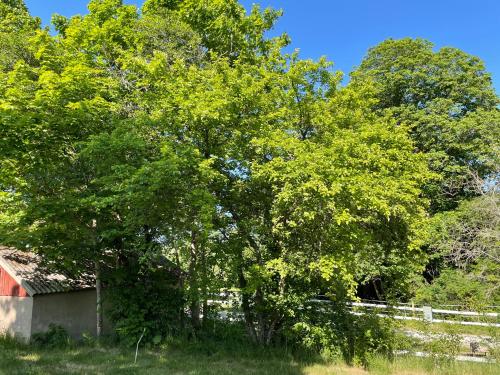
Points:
(27, 270)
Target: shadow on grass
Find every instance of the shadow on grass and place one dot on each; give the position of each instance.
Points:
(174, 358)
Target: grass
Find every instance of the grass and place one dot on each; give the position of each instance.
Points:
(446, 328)
(427, 366)
(208, 358)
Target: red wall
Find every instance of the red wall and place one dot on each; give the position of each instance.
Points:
(9, 286)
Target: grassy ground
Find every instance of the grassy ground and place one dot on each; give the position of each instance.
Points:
(206, 359)
(447, 328)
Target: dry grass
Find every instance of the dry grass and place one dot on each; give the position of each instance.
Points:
(332, 369)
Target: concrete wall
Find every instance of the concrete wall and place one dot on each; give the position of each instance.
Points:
(15, 316)
(75, 311)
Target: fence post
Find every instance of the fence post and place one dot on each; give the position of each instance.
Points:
(427, 313)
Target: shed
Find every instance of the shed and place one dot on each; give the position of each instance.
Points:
(32, 298)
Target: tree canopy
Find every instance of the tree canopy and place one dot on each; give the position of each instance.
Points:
(447, 99)
(181, 131)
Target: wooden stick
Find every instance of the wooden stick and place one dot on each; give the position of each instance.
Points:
(137, 347)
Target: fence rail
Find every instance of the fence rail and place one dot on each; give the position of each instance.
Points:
(421, 309)
(421, 313)
(427, 313)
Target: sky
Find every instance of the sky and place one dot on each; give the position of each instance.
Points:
(343, 30)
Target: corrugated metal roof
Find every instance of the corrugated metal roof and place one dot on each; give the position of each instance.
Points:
(25, 267)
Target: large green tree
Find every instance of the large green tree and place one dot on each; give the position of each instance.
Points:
(78, 143)
(447, 99)
(183, 131)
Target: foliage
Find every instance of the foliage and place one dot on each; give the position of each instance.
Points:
(333, 331)
(78, 168)
(255, 167)
(411, 73)
(448, 101)
(144, 298)
(182, 132)
(453, 286)
(465, 241)
(8, 341)
(16, 27)
(470, 233)
(224, 26)
(55, 337)
(443, 349)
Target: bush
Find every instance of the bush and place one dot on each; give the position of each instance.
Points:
(453, 286)
(55, 337)
(443, 349)
(144, 298)
(335, 332)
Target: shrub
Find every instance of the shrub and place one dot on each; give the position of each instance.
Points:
(453, 286)
(55, 337)
(336, 332)
(144, 298)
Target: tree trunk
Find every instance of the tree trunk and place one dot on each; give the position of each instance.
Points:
(193, 284)
(377, 291)
(204, 284)
(206, 311)
(195, 314)
(245, 305)
(98, 291)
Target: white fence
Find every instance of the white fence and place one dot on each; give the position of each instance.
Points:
(402, 312)
(428, 314)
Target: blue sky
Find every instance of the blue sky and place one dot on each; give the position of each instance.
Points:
(343, 30)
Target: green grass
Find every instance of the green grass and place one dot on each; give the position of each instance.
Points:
(426, 366)
(447, 328)
(208, 358)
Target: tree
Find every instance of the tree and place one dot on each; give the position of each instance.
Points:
(16, 27)
(409, 73)
(75, 104)
(448, 102)
(322, 195)
(140, 135)
(471, 232)
(224, 26)
(465, 241)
